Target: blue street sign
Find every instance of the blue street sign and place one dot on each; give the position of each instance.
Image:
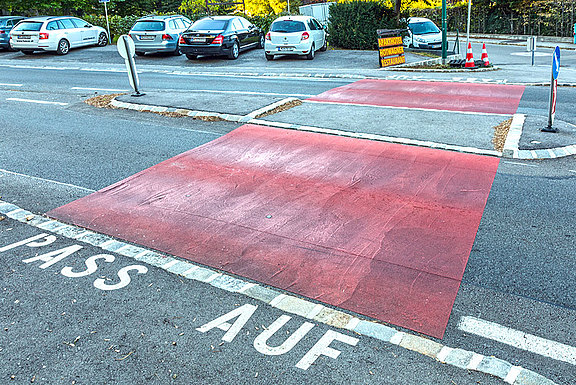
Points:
(556, 63)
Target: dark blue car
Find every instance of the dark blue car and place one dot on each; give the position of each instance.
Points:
(6, 25)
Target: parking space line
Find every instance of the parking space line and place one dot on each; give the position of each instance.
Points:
(518, 339)
(36, 101)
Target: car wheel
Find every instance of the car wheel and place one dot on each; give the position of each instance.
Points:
(27, 52)
(63, 47)
(269, 57)
(177, 51)
(234, 51)
(140, 53)
(311, 54)
(261, 42)
(191, 57)
(102, 40)
(325, 46)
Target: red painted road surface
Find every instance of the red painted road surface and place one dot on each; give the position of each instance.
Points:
(381, 229)
(465, 97)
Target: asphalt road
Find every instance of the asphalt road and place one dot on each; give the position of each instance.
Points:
(56, 329)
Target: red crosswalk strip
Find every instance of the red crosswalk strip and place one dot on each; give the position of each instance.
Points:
(380, 229)
(448, 96)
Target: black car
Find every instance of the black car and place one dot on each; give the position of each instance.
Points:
(220, 35)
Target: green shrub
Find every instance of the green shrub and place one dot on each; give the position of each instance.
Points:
(353, 25)
(118, 25)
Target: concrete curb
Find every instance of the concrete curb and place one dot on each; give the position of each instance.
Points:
(552, 153)
(513, 137)
(459, 358)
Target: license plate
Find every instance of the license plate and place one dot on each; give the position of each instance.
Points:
(144, 37)
(285, 48)
(198, 40)
(24, 37)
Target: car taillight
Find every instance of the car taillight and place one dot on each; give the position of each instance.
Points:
(2, 32)
(268, 37)
(305, 36)
(43, 35)
(181, 40)
(166, 37)
(218, 39)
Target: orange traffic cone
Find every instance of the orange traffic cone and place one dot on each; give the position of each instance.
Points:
(469, 57)
(485, 56)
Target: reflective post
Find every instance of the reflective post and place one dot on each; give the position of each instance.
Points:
(444, 33)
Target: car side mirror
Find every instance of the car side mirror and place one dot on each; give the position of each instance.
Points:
(88, 26)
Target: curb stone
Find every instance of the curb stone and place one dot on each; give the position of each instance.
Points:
(459, 358)
(510, 150)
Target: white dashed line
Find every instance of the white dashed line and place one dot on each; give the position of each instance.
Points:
(518, 339)
(520, 163)
(36, 101)
(98, 89)
(45, 180)
(11, 85)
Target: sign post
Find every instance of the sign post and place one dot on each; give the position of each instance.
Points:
(107, 23)
(553, 90)
(532, 46)
(127, 50)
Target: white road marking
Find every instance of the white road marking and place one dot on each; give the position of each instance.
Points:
(572, 171)
(521, 164)
(98, 89)
(530, 54)
(45, 180)
(518, 339)
(11, 85)
(252, 93)
(512, 374)
(36, 101)
(407, 108)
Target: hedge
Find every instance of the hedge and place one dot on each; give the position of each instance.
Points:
(353, 25)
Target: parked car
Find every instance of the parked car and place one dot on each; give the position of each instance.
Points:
(6, 25)
(153, 34)
(55, 33)
(220, 35)
(295, 35)
(423, 33)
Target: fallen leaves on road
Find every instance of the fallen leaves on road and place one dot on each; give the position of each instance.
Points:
(500, 134)
(102, 101)
(126, 356)
(280, 108)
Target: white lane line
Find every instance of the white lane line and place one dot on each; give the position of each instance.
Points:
(11, 85)
(36, 101)
(45, 180)
(572, 171)
(407, 108)
(518, 339)
(252, 93)
(521, 164)
(98, 89)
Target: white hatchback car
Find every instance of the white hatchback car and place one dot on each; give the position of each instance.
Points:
(55, 33)
(295, 35)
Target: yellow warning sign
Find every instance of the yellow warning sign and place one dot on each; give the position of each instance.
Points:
(385, 62)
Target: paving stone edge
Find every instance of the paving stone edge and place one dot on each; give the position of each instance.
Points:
(459, 358)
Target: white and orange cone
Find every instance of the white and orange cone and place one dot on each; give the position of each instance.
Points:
(485, 56)
(469, 57)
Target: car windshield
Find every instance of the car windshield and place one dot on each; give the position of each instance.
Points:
(148, 26)
(288, 26)
(210, 25)
(423, 28)
(28, 26)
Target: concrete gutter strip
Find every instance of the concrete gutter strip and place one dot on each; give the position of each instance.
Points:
(460, 358)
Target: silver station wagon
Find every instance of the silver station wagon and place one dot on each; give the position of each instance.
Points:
(158, 34)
